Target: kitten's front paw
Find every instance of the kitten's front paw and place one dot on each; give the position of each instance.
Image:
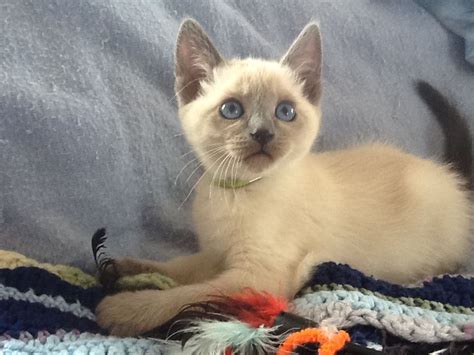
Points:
(118, 314)
(114, 269)
(134, 313)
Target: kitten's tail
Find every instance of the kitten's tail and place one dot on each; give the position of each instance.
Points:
(458, 139)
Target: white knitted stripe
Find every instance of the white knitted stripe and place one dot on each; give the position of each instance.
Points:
(416, 329)
(360, 300)
(57, 302)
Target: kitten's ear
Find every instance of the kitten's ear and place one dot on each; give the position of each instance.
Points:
(305, 58)
(195, 58)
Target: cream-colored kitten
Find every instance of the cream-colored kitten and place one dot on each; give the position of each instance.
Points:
(267, 210)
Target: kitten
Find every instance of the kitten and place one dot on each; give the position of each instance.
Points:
(267, 210)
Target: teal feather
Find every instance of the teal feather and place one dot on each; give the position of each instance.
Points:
(214, 338)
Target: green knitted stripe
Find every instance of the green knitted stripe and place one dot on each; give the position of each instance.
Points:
(77, 277)
(145, 281)
(129, 283)
(414, 302)
(71, 274)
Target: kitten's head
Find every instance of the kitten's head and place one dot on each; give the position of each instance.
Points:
(246, 118)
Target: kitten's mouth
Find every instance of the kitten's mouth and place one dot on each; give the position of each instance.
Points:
(258, 159)
(259, 156)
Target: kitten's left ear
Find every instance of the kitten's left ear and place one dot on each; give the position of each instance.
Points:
(305, 58)
(195, 59)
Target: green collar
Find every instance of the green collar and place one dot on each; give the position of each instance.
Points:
(234, 184)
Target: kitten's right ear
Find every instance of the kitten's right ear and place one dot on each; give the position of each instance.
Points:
(195, 59)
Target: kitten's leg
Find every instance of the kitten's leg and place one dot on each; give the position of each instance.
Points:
(183, 269)
(133, 313)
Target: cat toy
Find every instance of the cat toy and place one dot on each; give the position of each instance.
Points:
(258, 310)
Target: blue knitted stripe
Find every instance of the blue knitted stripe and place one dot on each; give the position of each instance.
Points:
(365, 334)
(17, 316)
(454, 290)
(58, 302)
(43, 282)
(94, 342)
(87, 343)
(360, 301)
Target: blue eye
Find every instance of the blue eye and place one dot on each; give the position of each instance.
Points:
(231, 110)
(285, 111)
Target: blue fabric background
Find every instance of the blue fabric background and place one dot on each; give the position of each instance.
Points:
(457, 16)
(88, 130)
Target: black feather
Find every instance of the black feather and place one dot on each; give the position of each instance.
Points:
(98, 243)
(106, 268)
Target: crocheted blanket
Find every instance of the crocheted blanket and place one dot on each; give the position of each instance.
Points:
(48, 308)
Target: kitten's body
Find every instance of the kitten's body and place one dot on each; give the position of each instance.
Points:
(382, 211)
(374, 207)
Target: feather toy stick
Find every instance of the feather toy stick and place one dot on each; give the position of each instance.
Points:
(261, 309)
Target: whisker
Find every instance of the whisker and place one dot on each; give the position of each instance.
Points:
(233, 177)
(173, 137)
(193, 151)
(192, 173)
(197, 182)
(237, 167)
(193, 160)
(223, 167)
(182, 170)
(216, 152)
(214, 175)
(220, 179)
(232, 171)
(187, 153)
(218, 167)
(231, 162)
(227, 169)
